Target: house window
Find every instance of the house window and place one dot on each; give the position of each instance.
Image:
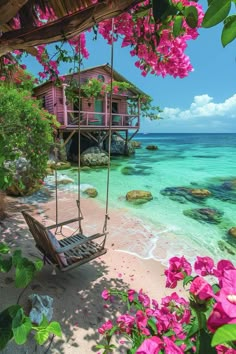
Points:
(114, 107)
(43, 100)
(101, 78)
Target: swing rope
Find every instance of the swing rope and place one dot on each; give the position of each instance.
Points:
(109, 136)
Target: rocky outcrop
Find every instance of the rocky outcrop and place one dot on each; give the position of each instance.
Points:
(139, 196)
(118, 146)
(209, 215)
(152, 147)
(226, 247)
(91, 192)
(94, 156)
(64, 180)
(136, 144)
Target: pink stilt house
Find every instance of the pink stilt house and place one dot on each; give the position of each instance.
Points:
(95, 112)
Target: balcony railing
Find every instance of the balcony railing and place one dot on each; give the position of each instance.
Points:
(101, 120)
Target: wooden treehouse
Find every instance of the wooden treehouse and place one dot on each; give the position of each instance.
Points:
(95, 113)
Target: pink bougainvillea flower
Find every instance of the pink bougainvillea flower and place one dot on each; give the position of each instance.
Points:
(218, 318)
(204, 266)
(143, 298)
(222, 266)
(201, 289)
(221, 349)
(151, 345)
(227, 294)
(105, 327)
(141, 319)
(106, 294)
(171, 347)
(179, 267)
(126, 322)
(131, 294)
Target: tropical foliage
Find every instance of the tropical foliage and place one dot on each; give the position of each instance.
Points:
(26, 133)
(205, 323)
(157, 32)
(14, 323)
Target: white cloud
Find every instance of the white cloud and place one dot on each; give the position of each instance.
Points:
(203, 106)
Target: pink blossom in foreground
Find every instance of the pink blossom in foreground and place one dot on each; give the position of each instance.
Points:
(227, 294)
(218, 318)
(106, 294)
(204, 266)
(201, 289)
(105, 327)
(179, 267)
(150, 346)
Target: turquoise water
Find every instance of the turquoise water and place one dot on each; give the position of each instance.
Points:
(182, 160)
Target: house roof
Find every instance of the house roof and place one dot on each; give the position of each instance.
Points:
(116, 76)
(72, 18)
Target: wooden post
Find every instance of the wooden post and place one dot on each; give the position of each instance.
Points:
(64, 104)
(105, 109)
(138, 111)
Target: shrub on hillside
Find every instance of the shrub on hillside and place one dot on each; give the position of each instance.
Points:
(26, 133)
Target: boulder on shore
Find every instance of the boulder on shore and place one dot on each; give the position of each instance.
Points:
(94, 156)
(139, 196)
(91, 192)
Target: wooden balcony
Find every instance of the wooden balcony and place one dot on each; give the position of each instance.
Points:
(99, 121)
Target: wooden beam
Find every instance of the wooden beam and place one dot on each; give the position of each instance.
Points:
(69, 137)
(63, 28)
(9, 9)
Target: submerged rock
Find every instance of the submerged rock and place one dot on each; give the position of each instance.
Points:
(152, 147)
(225, 191)
(225, 246)
(232, 232)
(136, 144)
(139, 196)
(133, 171)
(183, 194)
(209, 215)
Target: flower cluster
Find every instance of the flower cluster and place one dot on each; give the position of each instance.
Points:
(159, 48)
(177, 325)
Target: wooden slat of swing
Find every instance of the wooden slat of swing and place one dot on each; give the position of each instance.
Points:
(78, 249)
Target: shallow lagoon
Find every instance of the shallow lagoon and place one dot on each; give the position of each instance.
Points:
(183, 160)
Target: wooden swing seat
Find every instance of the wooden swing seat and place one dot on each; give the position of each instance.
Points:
(76, 249)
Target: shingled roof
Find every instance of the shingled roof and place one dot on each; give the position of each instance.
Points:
(73, 18)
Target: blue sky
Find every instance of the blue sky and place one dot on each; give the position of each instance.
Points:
(205, 101)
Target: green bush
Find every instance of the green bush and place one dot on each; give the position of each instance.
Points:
(26, 133)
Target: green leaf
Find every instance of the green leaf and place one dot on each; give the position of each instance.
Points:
(38, 265)
(216, 13)
(229, 30)
(44, 323)
(177, 26)
(224, 334)
(21, 332)
(41, 336)
(205, 343)
(187, 280)
(24, 275)
(4, 249)
(55, 328)
(5, 264)
(16, 257)
(6, 317)
(159, 8)
(191, 16)
(153, 326)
